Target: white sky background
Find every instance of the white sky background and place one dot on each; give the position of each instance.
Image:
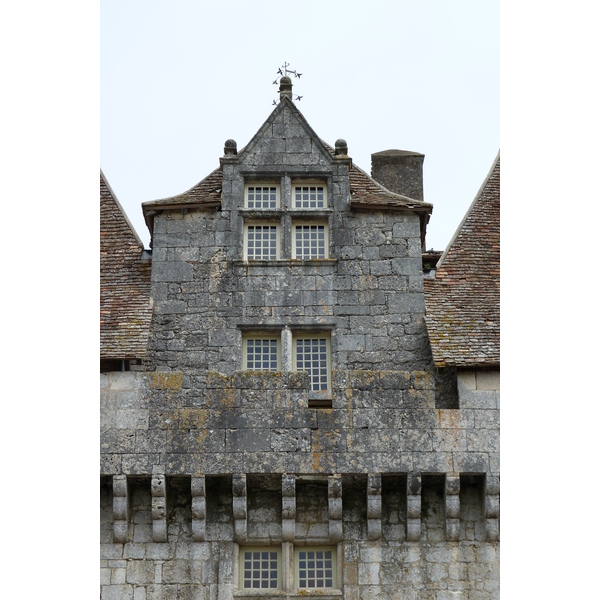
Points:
(177, 79)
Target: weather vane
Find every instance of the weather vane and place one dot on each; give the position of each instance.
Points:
(283, 71)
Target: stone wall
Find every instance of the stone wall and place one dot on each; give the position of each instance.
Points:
(390, 567)
(201, 459)
(406, 493)
(369, 293)
(260, 422)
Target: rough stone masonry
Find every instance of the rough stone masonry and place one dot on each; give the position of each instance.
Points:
(342, 478)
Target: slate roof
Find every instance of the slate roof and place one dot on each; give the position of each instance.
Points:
(125, 306)
(463, 300)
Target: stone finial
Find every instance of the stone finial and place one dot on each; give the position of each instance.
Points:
(285, 88)
(230, 148)
(341, 148)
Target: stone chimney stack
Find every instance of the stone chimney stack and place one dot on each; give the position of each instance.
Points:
(400, 171)
(285, 88)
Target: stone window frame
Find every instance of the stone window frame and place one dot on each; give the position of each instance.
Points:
(297, 579)
(287, 572)
(302, 183)
(262, 184)
(287, 336)
(325, 394)
(286, 215)
(260, 335)
(246, 575)
(310, 223)
(262, 223)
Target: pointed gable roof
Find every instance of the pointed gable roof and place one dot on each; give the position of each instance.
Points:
(463, 300)
(125, 306)
(284, 120)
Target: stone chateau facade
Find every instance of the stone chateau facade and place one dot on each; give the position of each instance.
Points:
(296, 400)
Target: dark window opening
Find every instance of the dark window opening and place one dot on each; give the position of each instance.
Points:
(219, 507)
(393, 506)
(433, 516)
(319, 400)
(179, 506)
(472, 500)
(108, 365)
(354, 506)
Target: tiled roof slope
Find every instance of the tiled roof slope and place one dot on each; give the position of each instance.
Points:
(205, 193)
(365, 191)
(463, 301)
(125, 308)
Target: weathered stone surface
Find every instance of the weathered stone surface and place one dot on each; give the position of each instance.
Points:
(251, 462)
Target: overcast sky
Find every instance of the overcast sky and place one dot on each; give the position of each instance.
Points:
(179, 78)
(176, 80)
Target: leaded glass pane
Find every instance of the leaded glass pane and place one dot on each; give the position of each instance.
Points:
(260, 569)
(315, 569)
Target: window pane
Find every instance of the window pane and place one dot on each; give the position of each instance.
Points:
(260, 197)
(261, 355)
(311, 356)
(315, 569)
(262, 242)
(261, 570)
(310, 241)
(309, 196)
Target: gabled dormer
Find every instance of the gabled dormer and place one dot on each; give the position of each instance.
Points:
(283, 187)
